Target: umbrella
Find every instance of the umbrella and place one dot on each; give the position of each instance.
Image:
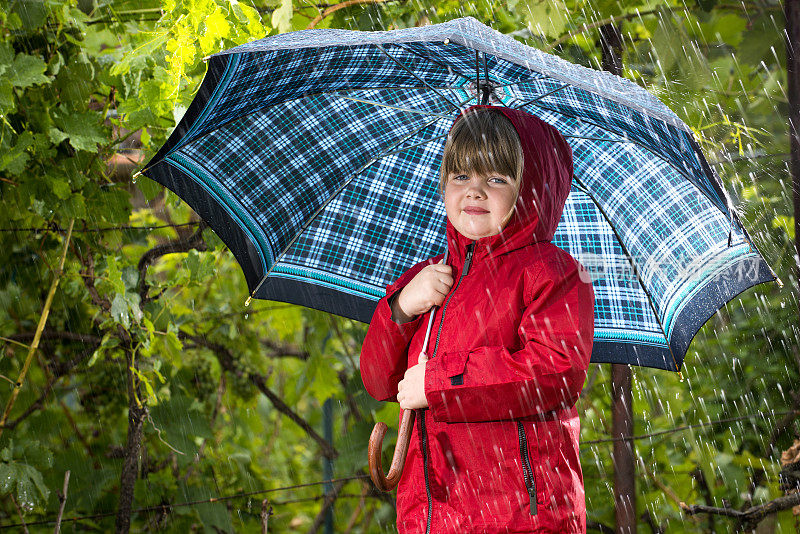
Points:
(314, 155)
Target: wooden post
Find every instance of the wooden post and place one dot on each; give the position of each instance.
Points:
(621, 397)
(792, 12)
(327, 417)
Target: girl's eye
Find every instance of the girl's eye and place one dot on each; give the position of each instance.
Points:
(461, 177)
(498, 180)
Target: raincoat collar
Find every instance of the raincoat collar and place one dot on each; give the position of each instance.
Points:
(546, 178)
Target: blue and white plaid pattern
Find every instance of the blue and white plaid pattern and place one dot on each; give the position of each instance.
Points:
(326, 145)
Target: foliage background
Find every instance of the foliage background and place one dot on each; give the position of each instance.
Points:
(148, 339)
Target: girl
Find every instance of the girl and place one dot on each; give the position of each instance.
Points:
(495, 443)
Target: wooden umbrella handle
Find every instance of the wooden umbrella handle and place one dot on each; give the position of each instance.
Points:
(388, 482)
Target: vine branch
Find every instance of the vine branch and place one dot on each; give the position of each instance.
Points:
(747, 518)
(194, 241)
(337, 7)
(226, 359)
(39, 329)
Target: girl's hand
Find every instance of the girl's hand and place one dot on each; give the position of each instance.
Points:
(411, 389)
(427, 289)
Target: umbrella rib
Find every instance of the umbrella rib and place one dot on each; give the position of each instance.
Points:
(449, 68)
(623, 140)
(582, 187)
(298, 98)
(533, 101)
(415, 145)
(334, 194)
(417, 77)
(644, 147)
(478, 73)
(488, 87)
(398, 108)
(435, 62)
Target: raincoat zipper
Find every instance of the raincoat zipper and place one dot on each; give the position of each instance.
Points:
(527, 472)
(464, 271)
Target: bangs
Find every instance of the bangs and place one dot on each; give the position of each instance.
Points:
(482, 142)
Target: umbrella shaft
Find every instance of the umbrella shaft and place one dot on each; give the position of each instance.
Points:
(430, 319)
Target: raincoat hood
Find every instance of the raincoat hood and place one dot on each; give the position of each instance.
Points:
(546, 178)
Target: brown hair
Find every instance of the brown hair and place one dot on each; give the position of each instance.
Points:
(482, 141)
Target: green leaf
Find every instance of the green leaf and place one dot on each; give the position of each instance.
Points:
(173, 343)
(60, 188)
(34, 476)
(114, 274)
(35, 453)
(32, 13)
(215, 27)
(785, 223)
(214, 517)
(201, 266)
(6, 56)
(757, 41)
(133, 300)
(74, 82)
(83, 129)
(666, 43)
(27, 70)
(136, 59)
(180, 422)
(282, 17)
(15, 159)
(326, 381)
(130, 277)
(73, 207)
(113, 203)
(125, 307)
(149, 188)
(143, 379)
(119, 310)
(730, 28)
(26, 492)
(56, 136)
(28, 482)
(706, 5)
(7, 478)
(7, 104)
(548, 17)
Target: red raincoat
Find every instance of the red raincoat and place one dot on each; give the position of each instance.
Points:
(497, 450)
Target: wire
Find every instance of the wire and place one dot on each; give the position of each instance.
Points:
(687, 427)
(165, 507)
(107, 229)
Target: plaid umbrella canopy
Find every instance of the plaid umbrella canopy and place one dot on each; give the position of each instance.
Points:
(315, 155)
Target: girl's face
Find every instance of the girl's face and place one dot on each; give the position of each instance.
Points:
(479, 206)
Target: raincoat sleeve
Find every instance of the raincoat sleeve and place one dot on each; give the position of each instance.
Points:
(548, 371)
(384, 353)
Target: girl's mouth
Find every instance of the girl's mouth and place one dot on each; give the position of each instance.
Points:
(474, 210)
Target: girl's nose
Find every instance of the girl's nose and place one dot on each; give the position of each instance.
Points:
(476, 191)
